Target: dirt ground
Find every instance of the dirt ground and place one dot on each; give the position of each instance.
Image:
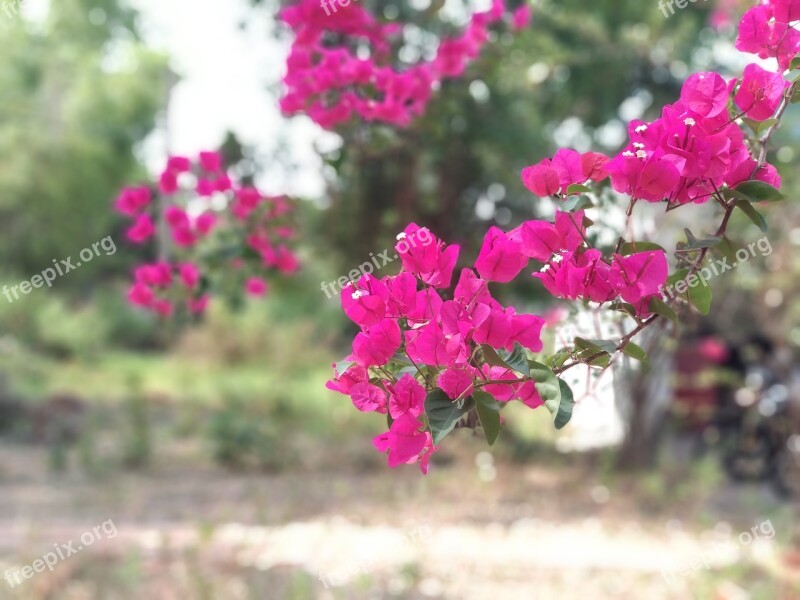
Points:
(477, 528)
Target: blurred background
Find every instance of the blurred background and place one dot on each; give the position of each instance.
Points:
(226, 467)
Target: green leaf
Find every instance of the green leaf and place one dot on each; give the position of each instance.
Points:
(624, 307)
(514, 360)
(634, 247)
(696, 244)
(488, 410)
(752, 214)
(547, 385)
(517, 360)
(758, 191)
(795, 64)
(566, 405)
(601, 361)
(559, 358)
(443, 413)
(700, 296)
(407, 370)
(491, 357)
(577, 188)
(636, 352)
(658, 306)
(576, 203)
(595, 346)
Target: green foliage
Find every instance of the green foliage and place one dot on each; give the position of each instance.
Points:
(243, 433)
(138, 445)
(443, 413)
(77, 95)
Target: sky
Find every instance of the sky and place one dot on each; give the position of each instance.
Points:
(225, 75)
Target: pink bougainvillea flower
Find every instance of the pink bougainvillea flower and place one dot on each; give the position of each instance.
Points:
(471, 289)
(343, 382)
(762, 34)
(541, 179)
(404, 441)
(705, 94)
(494, 330)
(406, 396)
(639, 276)
(178, 164)
(521, 18)
(525, 330)
(501, 258)
(176, 216)
(567, 167)
(205, 222)
(786, 11)
(541, 240)
(578, 275)
(210, 161)
(429, 345)
(593, 165)
(140, 295)
(132, 199)
(168, 182)
(760, 92)
(457, 382)
(643, 177)
(423, 255)
(367, 397)
(567, 163)
(141, 230)
(157, 274)
(376, 346)
(255, 286)
(365, 302)
(205, 187)
(402, 294)
(189, 274)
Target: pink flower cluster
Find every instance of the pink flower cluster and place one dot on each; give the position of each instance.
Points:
(161, 286)
(331, 78)
(694, 149)
(413, 340)
(245, 240)
(768, 30)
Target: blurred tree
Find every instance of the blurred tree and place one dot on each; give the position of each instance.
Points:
(78, 91)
